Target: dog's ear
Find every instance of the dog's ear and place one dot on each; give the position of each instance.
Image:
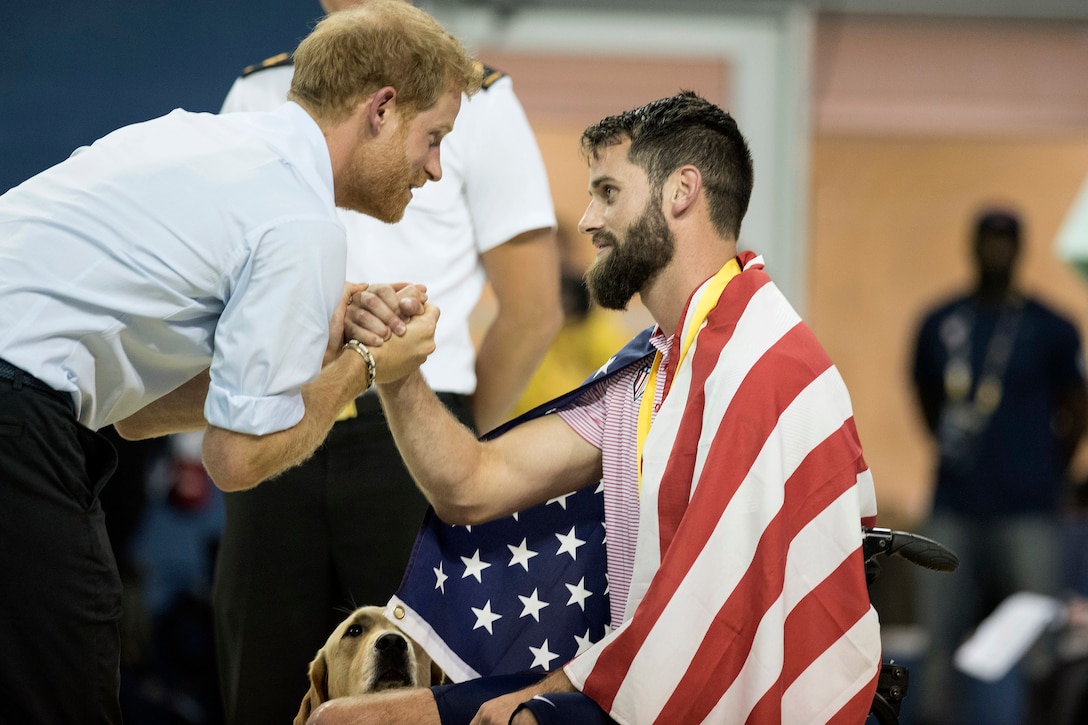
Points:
(319, 688)
(438, 677)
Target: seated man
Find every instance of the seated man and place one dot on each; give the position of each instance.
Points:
(734, 484)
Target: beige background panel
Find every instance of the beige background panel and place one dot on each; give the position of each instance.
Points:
(890, 228)
(579, 90)
(946, 75)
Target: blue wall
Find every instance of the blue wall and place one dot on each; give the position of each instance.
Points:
(73, 70)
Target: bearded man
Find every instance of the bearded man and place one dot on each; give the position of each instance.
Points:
(735, 490)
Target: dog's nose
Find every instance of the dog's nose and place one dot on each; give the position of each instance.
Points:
(392, 642)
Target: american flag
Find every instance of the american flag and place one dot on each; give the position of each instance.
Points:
(527, 592)
(748, 601)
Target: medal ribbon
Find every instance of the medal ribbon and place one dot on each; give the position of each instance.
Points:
(708, 300)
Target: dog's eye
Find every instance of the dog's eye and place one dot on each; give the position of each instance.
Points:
(354, 630)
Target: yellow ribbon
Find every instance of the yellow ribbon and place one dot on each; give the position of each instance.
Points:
(708, 300)
(349, 411)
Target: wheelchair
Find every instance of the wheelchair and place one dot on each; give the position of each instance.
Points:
(892, 683)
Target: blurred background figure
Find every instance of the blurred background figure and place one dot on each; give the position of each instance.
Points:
(169, 677)
(1000, 382)
(353, 508)
(590, 335)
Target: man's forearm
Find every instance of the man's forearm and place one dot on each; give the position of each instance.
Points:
(179, 410)
(440, 453)
(237, 461)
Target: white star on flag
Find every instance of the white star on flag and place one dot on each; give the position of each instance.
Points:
(561, 500)
(542, 656)
(578, 593)
(568, 543)
(485, 617)
(584, 642)
(520, 554)
(473, 566)
(440, 577)
(532, 606)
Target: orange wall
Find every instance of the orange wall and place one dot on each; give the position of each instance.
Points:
(889, 231)
(917, 123)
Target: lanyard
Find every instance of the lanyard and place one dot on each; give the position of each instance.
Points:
(958, 375)
(708, 300)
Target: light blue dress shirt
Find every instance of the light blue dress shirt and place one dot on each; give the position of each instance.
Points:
(166, 247)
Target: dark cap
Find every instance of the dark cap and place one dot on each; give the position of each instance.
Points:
(998, 221)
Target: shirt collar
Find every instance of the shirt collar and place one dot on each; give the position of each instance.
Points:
(309, 141)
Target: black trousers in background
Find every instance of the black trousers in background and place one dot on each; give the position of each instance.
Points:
(301, 551)
(60, 593)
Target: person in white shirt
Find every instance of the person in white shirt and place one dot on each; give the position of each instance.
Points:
(353, 506)
(187, 273)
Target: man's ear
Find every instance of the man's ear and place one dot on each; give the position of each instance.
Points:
(683, 189)
(380, 107)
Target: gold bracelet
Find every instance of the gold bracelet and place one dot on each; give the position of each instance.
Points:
(371, 368)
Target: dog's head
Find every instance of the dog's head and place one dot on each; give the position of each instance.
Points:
(366, 653)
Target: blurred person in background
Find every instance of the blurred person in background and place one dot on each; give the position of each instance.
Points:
(1000, 383)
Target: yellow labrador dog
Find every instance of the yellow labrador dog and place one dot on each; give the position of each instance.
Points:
(366, 653)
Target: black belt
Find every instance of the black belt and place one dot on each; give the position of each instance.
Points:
(20, 378)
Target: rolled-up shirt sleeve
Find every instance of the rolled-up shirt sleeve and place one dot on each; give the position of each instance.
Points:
(274, 329)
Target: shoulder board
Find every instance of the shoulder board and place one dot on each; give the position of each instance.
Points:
(490, 75)
(274, 62)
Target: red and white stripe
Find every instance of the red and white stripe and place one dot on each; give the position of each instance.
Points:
(748, 601)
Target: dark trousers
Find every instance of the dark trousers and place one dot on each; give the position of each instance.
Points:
(60, 594)
(299, 552)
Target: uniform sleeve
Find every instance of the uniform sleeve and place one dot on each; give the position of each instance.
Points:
(265, 90)
(506, 184)
(274, 329)
(236, 97)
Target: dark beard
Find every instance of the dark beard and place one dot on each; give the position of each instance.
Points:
(615, 278)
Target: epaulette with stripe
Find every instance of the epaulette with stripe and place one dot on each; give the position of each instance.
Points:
(274, 62)
(490, 75)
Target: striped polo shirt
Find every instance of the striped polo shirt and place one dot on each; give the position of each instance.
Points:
(606, 416)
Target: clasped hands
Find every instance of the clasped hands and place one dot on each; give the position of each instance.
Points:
(394, 321)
